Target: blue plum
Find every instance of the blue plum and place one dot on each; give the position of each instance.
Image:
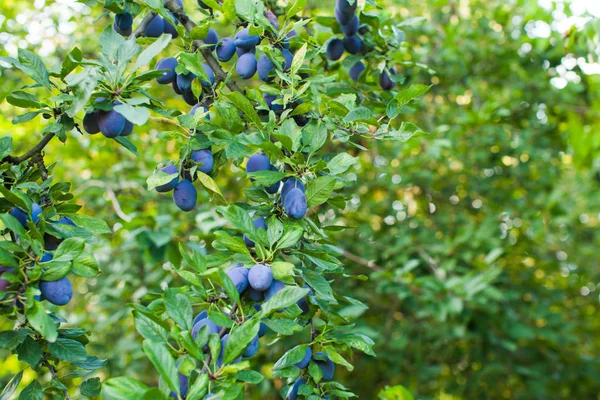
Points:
(202, 5)
(4, 284)
(206, 158)
(244, 40)
(189, 97)
(335, 49)
(272, 18)
(184, 81)
(239, 51)
(385, 81)
(306, 360)
(351, 28)
(57, 292)
(169, 65)
(90, 122)
(246, 66)
(185, 195)
(127, 129)
(51, 242)
(238, 278)
(23, 217)
(260, 277)
(356, 70)
(275, 287)
(293, 391)
(212, 327)
(156, 27)
(353, 44)
(209, 74)
(264, 67)
(252, 348)
(204, 110)
(211, 38)
(294, 204)
(262, 330)
(344, 11)
(225, 50)
(111, 123)
(274, 188)
(254, 295)
(123, 23)
(259, 223)
(176, 88)
(289, 184)
(224, 340)
(167, 187)
(258, 162)
(202, 315)
(288, 57)
(169, 28)
(327, 366)
(269, 99)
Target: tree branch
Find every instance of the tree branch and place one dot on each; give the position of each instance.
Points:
(360, 260)
(220, 75)
(53, 372)
(34, 150)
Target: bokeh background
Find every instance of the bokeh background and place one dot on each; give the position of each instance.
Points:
(481, 241)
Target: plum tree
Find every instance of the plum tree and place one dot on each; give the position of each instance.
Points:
(57, 292)
(246, 66)
(185, 195)
(295, 204)
(260, 277)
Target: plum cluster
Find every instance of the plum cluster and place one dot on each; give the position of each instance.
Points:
(58, 292)
(345, 14)
(158, 25)
(292, 192)
(110, 123)
(182, 83)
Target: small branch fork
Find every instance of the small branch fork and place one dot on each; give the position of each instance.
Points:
(37, 149)
(220, 75)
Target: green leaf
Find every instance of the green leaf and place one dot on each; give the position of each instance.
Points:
(179, 308)
(266, 178)
(319, 284)
(67, 349)
(26, 117)
(319, 190)
(253, 377)
(290, 129)
(127, 144)
(301, 53)
(23, 99)
(69, 249)
(86, 266)
(11, 339)
(291, 235)
(337, 358)
(412, 92)
(148, 327)
(94, 225)
(41, 322)
(33, 67)
(210, 185)
(136, 115)
(241, 102)
(163, 362)
(282, 270)
(11, 386)
(282, 299)
(33, 391)
(152, 51)
(110, 42)
(160, 178)
(30, 351)
(314, 136)
(240, 338)
(91, 387)
(123, 388)
(340, 163)
(291, 357)
(359, 113)
(71, 62)
(199, 388)
(5, 146)
(295, 7)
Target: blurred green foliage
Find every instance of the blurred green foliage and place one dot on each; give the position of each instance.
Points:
(480, 241)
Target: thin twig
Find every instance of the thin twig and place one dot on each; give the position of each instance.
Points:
(53, 372)
(33, 151)
(360, 260)
(220, 75)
